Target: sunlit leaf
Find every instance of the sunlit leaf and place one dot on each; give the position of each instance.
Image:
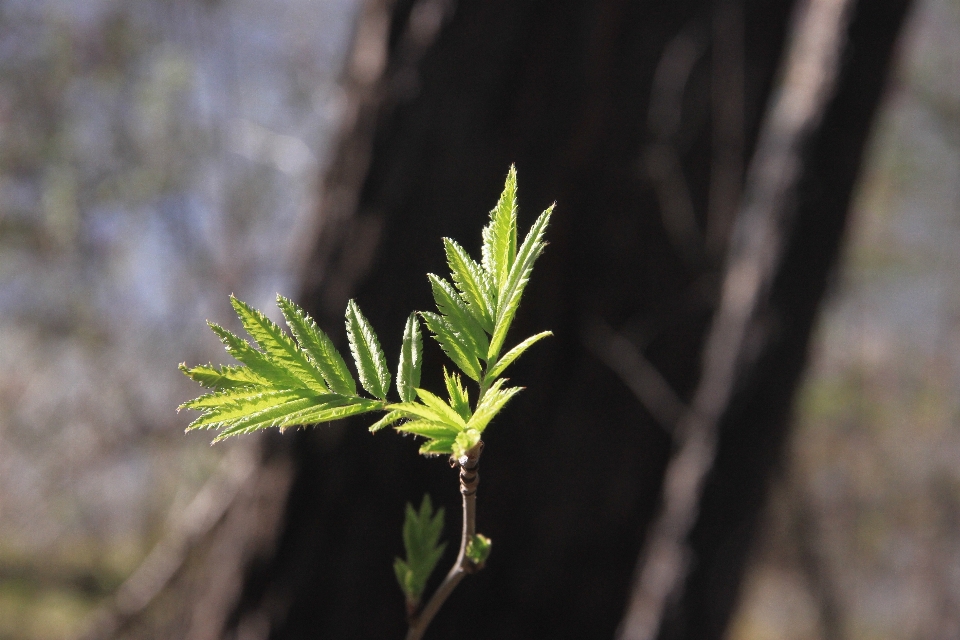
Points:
(318, 347)
(436, 403)
(411, 358)
(516, 282)
(260, 363)
(459, 397)
(515, 353)
(278, 345)
(367, 353)
(453, 344)
(474, 284)
(500, 235)
(386, 421)
(491, 404)
(226, 377)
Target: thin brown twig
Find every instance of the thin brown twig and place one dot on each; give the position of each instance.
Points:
(642, 378)
(469, 465)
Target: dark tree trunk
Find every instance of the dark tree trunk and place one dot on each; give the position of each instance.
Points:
(579, 95)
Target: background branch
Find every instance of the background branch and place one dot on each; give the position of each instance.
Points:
(808, 79)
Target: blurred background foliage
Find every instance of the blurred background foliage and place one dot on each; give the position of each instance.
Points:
(157, 155)
(862, 538)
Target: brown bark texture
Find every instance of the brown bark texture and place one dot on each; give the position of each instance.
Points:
(639, 119)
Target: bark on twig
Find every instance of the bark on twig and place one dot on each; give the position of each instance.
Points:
(469, 465)
(754, 255)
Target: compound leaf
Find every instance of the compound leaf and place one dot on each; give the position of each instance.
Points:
(459, 317)
(491, 404)
(500, 234)
(453, 344)
(516, 282)
(226, 377)
(278, 345)
(474, 284)
(367, 353)
(459, 397)
(515, 353)
(411, 358)
(421, 541)
(319, 348)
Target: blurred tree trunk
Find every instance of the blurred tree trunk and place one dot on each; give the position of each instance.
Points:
(638, 119)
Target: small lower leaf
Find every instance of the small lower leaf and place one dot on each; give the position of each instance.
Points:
(478, 549)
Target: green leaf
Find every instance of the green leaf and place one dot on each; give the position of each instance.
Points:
(386, 421)
(478, 549)
(278, 345)
(429, 429)
(319, 348)
(465, 441)
(437, 447)
(339, 407)
(475, 286)
(226, 377)
(367, 353)
(418, 411)
(512, 290)
(236, 394)
(491, 404)
(411, 357)
(236, 410)
(515, 353)
(500, 235)
(459, 317)
(459, 398)
(436, 403)
(453, 344)
(421, 541)
(260, 363)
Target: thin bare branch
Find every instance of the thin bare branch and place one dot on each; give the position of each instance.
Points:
(469, 465)
(661, 159)
(754, 254)
(184, 529)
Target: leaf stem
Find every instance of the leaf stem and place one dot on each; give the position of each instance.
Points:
(469, 464)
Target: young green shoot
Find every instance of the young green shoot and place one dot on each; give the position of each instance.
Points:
(302, 379)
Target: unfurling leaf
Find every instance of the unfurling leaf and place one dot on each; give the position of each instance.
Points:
(450, 415)
(512, 290)
(500, 235)
(465, 441)
(475, 285)
(459, 397)
(491, 404)
(367, 353)
(478, 549)
(459, 317)
(421, 541)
